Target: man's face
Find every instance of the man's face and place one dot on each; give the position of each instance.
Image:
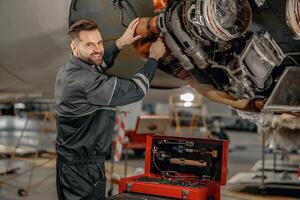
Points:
(89, 47)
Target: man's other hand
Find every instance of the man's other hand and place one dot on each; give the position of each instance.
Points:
(128, 37)
(157, 49)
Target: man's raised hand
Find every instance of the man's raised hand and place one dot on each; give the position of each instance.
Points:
(128, 37)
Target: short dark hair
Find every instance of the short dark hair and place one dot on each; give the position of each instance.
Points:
(82, 25)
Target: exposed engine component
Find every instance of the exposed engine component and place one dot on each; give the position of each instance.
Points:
(221, 20)
(210, 39)
(190, 25)
(293, 16)
(211, 47)
(252, 68)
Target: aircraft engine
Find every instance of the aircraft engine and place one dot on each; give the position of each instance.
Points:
(210, 40)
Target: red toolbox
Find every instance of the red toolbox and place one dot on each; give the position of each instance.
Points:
(182, 168)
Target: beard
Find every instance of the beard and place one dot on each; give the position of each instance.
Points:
(92, 59)
(95, 58)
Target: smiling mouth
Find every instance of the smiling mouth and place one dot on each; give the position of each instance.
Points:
(98, 57)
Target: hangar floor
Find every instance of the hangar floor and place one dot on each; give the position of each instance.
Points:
(245, 151)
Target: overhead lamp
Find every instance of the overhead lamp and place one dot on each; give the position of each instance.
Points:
(187, 97)
(187, 104)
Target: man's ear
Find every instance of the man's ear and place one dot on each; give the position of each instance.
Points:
(73, 46)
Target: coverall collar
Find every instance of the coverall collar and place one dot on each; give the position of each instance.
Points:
(78, 62)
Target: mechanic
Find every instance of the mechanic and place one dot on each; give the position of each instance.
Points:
(86, 98)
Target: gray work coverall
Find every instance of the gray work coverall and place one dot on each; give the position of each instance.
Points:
(85, 114)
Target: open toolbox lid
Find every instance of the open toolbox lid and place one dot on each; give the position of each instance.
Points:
(152, 124)
(202, 160)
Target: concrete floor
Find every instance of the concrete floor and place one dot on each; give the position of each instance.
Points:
(246, 150)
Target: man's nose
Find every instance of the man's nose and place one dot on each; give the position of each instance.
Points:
(99, 48)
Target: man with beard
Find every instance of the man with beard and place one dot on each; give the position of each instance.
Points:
(86, 98)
